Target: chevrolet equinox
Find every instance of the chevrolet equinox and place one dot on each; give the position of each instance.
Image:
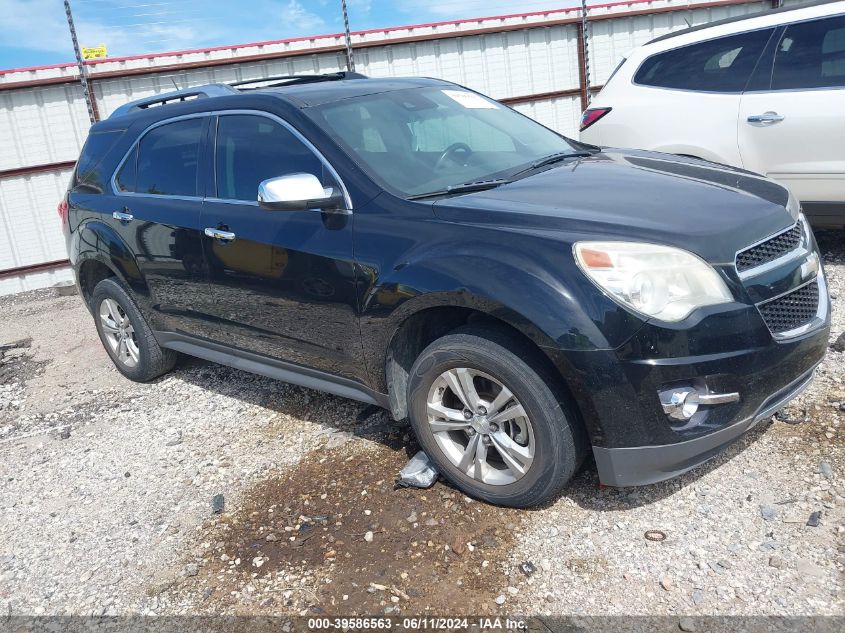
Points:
(519, 296)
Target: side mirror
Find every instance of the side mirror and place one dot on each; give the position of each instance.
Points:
(297, 192)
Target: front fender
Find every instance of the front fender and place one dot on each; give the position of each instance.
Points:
(510, 288)
(532, 301)
(554, 314)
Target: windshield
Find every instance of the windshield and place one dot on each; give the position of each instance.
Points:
(422, 140)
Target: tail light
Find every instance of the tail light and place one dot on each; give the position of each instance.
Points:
(591, 116)
(63, 210)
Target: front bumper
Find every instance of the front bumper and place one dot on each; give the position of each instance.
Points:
(721, 350)
(641, 465)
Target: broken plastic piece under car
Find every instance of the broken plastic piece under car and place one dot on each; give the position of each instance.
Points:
(419, 472)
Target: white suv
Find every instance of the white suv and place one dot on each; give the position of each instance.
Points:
(765, 92)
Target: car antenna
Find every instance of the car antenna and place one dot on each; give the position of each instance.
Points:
(689, 26)
(174, 83)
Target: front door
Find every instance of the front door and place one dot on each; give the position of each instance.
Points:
(282, 282)
(793, 128)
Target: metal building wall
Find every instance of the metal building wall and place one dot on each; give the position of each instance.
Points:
(529, 61)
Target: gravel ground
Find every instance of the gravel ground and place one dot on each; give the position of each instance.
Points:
(107, 501)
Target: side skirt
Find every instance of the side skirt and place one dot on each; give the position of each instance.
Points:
(272, 368)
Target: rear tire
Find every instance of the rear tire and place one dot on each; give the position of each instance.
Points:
(125, 334)
(519, 460)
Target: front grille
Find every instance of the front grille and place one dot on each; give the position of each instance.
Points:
(770, 250)
(793, 310)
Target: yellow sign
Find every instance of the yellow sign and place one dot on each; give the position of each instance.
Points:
(95, 52)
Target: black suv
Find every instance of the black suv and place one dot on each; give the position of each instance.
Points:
(520, 296)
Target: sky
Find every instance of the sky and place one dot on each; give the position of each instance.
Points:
(35, 32)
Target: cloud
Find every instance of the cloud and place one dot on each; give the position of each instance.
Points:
(132, 28)
(448, 9)
(297, 18)
(359, 7)
(41, 25)
(34, 24)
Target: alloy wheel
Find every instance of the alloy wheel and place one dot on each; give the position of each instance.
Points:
(480, 426)
(119, 333)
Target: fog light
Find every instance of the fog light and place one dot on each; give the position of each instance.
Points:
(682, 405)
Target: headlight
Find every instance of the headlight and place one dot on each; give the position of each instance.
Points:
(658, 281)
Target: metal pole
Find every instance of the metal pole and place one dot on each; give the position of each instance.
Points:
(83, 75)
(585, 31)
(350, 60)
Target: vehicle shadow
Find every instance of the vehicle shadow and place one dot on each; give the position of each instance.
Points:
(371, 423)
(336, 415)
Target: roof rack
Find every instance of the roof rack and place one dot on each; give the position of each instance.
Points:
(221, 90)
(288, 80)
(198, 92)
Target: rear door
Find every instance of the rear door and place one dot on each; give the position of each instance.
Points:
(283, 285)
(157, 213)
(688, 100)
(792, 127)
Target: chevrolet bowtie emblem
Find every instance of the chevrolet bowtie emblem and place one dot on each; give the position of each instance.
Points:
(810, 268)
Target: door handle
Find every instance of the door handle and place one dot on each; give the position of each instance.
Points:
(122, 216)
(765, 118)
(218, 234)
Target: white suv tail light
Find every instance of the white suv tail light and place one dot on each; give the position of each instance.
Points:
(591, 116)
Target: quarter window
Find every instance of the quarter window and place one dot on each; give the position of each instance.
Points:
(96, 147)
(253, 148)
(811, 55)
(720, 65)
(167, 158)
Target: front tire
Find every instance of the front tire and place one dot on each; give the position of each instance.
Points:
(492, 418)
(126, 336)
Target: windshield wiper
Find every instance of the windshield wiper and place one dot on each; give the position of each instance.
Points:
(467, 187)
(553, 158)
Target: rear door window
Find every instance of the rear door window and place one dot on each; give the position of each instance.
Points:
(811, 55)
(167, 160)
(719, 65)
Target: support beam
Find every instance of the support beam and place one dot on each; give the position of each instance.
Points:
(582, 67)
(80, 63)
(36, 169)
(34, 268)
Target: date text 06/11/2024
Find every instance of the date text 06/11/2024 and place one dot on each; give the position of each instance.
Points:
(417, 623)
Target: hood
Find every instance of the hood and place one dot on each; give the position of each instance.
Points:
(709, 209)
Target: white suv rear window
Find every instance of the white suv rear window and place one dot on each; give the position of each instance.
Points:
(720, 65)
